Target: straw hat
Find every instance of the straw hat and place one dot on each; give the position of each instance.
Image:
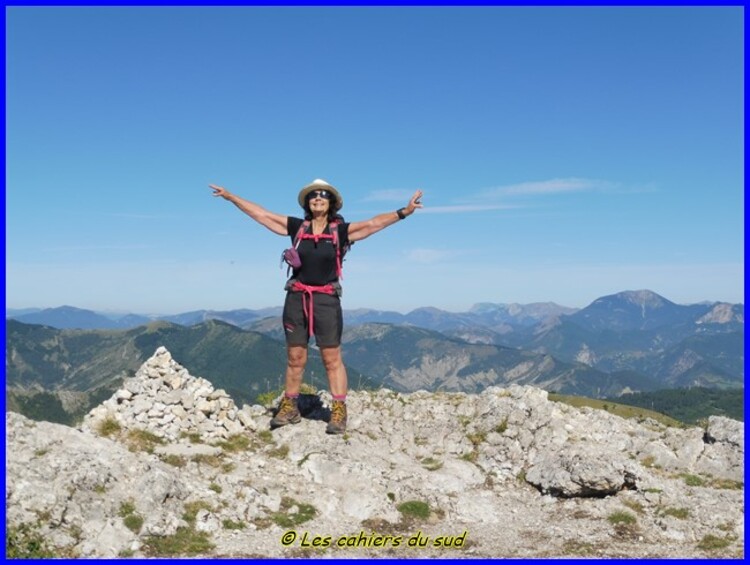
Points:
(320, 184)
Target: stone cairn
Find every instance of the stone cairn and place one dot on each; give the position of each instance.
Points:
(164, 399)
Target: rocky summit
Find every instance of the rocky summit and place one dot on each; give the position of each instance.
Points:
(168, 466)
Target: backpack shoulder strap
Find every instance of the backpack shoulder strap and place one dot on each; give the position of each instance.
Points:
(302, 229)
(333, 227)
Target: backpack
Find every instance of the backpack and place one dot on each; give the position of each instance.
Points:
(291, 255)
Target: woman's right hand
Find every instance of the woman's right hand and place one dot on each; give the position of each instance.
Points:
(220, 191)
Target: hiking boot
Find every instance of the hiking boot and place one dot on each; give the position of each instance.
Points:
(288, 413)
(337, 423)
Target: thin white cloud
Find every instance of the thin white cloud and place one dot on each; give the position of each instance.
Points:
(487, 200)
(390, 195)
(552, 186)
(459, 208)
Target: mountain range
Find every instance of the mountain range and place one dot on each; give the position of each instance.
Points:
(627, 342)
(641, 310)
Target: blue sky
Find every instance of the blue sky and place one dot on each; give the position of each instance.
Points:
(565, 153)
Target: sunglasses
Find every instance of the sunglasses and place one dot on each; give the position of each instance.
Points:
(320, 193)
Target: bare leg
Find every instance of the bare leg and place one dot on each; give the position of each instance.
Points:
(335, 369)
(295, 367)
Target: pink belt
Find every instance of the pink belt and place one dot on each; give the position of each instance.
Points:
(307, 299)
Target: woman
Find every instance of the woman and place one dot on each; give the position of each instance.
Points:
(313, 302)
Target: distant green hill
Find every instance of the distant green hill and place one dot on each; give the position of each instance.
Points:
(622, 410)
(48, 406)
(690, 405)
(244, 363)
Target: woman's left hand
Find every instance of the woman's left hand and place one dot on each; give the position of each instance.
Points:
(414, 203)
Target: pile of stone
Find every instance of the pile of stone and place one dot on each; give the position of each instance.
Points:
(164, 399)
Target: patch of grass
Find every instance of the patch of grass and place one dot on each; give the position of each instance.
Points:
(711, 542)
(232, 525)
(216, 488)
(502, 426)
(228, 467)
(40, 452)
(132, 520)
(419, 440)
(471, 456)
(693, 480)
(100, 489)
(108, 426)
(621, 517)
(142, 440)
(627, 531)
(194, 437)
(174, 460)
(25, 541)
(191, 509)
(280, 452)
(680, 513)
(653, 490)
(235, 443)
(414, 509)
(431, 464)
(210, 460)
(391, 497)
(575, 547)
(266, 436)
(477, 438)
(267, 398)
(634, 505)
(186, 541)
(727, 484)
(292, 513)
(126, 507)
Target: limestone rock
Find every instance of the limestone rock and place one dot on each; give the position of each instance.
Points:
(582, 471)
(81, 482)
(725, 430)
(523, 476)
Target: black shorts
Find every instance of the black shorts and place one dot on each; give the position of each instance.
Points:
(328, 320)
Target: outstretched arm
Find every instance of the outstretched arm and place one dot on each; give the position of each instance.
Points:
(361, 230)
(274, 222)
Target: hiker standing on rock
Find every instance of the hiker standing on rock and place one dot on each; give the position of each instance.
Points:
(313, 300)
